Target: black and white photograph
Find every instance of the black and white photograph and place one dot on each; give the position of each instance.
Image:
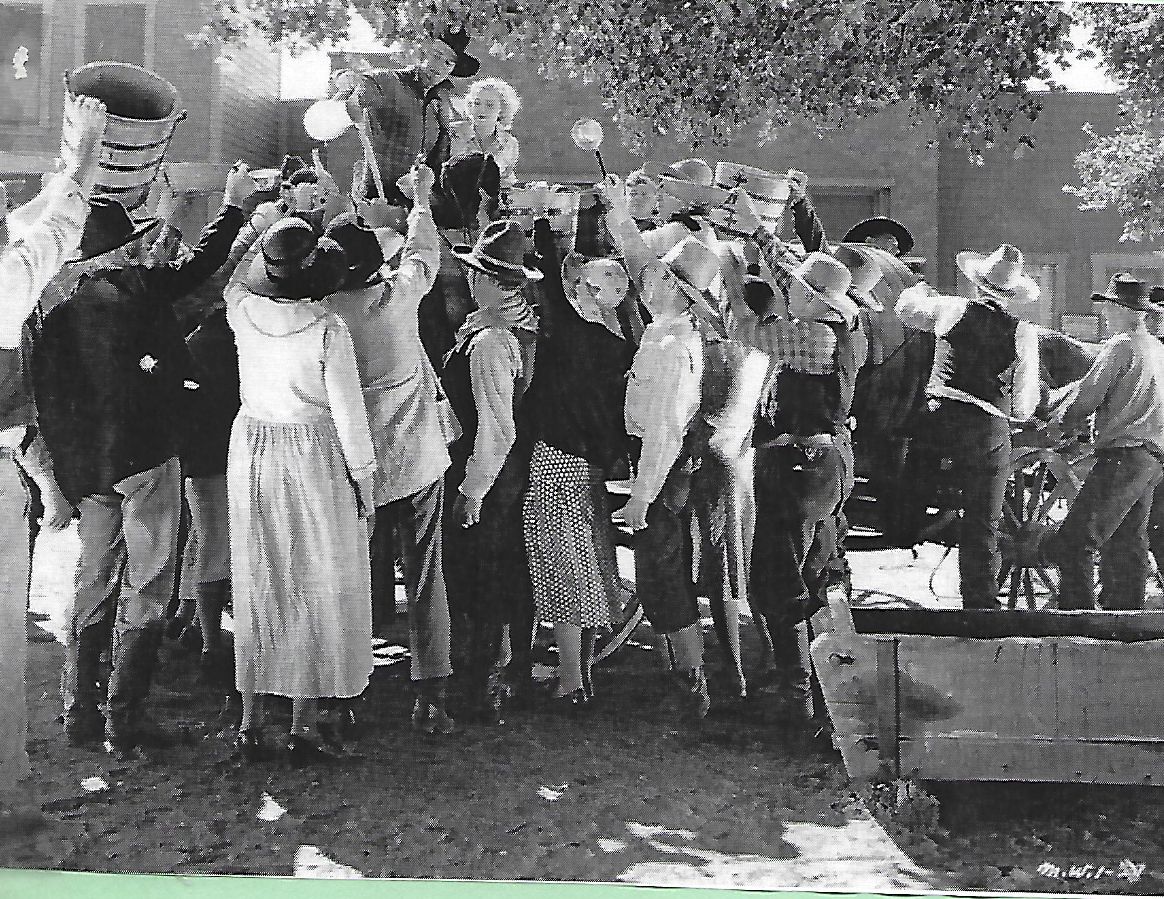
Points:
(676, 443)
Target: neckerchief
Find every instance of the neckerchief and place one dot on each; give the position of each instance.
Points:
(514, 314)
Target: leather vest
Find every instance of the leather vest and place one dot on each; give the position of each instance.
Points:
(981, 349)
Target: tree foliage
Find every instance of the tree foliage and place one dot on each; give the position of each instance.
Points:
(700, 70)
(1124, 170)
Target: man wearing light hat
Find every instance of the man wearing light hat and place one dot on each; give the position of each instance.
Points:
(1124, 390)
(804, 466)
(985, 377)
(485, 378)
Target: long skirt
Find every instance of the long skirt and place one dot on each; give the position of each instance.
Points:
(299, 563)
(568, 540)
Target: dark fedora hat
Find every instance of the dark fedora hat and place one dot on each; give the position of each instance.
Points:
(880, 226)
(107, 227)
(467, 66)
(500, 252)
(365, 256)
(284, 267)
(291, 165)
(1128, 292)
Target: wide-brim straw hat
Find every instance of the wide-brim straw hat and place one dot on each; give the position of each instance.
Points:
(829, 280)
(865, 272)
(1000, 274)
(691, 195)
(500, 252)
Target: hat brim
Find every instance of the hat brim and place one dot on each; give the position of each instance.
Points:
(971, 264)
(467, 66)
(880, 226)
(259, 282)
(865, 298)
(1136, 304)
(469, 258)
(843, 305)
(140, 231)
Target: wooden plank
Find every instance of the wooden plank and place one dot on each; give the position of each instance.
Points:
(1110, 691)
(887, 709)
(969, 757)
(981, 624)
(948, 686)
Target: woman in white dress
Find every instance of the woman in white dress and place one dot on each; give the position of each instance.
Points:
(300, 477)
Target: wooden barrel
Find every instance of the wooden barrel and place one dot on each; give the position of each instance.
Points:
(142, 115)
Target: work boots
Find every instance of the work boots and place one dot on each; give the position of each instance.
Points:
(135, 653)
(428, 713)
(80, 688)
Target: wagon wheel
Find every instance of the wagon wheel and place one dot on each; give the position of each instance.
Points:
(1042, 487)
(627, 615)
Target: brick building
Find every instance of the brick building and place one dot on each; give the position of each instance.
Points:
(232, 104)
(880, 166)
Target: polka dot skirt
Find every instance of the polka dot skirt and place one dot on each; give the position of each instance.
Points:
(568, 540)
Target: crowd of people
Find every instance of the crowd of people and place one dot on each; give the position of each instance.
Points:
(407, 373)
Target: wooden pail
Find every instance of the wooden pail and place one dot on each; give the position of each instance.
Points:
(142, 115)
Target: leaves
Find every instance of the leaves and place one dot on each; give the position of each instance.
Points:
(702, 70)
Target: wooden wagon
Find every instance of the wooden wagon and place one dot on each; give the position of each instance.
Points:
(994, 695)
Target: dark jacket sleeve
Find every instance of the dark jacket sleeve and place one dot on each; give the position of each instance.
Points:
(176, 279)
(60, 394)
(557, 314)
(808, 226)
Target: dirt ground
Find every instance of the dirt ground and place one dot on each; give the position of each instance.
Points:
(627, 794)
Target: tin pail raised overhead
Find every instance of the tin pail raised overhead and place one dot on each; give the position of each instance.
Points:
(142, 115)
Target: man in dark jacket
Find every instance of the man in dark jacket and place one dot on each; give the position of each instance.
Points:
(112, 377)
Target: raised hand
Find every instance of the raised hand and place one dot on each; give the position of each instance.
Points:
(82, 161)
(797, 186)
(240, 186)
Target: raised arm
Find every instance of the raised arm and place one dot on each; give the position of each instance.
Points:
(176, 279)
(420, 258)
(923, 308)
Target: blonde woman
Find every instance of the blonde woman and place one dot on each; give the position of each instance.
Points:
(491, 105)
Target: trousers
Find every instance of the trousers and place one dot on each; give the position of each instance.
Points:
(125, 577)
(1108, 520)
(979, 445)
(417, 523)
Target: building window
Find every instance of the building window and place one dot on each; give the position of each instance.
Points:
(841, 205)
(23, 33)
(115, 32)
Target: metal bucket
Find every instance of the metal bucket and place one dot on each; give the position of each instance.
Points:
(142, 115)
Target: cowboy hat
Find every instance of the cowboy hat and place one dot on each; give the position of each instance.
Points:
(466, 66)
(499, 252)
(1000, 274)
(696, 267)
(695, 170)
(294, 264)
(880, 226)
(107, 227)
(1130, 293)
(828, 280)
(361, 246)
(865, 272)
